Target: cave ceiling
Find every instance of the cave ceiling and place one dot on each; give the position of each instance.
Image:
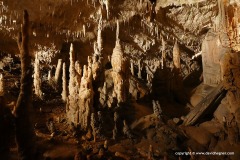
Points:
(56, 23)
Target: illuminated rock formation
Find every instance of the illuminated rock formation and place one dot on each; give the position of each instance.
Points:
(176, 58)
(85, 102)
(58, 70)
(120, 71)
(72, 108)
(64, 83)
(37, 78)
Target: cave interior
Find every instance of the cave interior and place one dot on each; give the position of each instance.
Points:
(119, 79)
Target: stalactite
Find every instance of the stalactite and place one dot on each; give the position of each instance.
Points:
(23, 127)
(107, 4)
(37, 78)
(64, 83)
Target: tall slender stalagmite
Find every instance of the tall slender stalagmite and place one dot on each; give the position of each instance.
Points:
(72, 103)
(37, 78)
(58, 70)
(99, 37)
(24, 129)
(64, 83)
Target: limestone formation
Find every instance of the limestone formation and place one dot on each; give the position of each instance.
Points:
(116, 124)
(96, 67)
(176, 57)
(37, 82)
(103, 95)
(80, 99)
(94, 126)
(64, 83)
(49, 75)
(25, 137)
(167, 52)
(157, 110)
(132, 68)
(58, 70)
(1, 85)
(100, 122)
(78, 74)
(126, 130)
(107, 5)
(139, 69)
(120, 69)
(72, 102)
(85, 102)
(163, 60)
(99, 37)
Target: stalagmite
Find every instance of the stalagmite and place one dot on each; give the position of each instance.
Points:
(139, 69)
(78, 72)
(119, 73)
(84, 30)
(117, 31)
(23, 127)
(157, 110)
(176, 58)
(85, 102)
(94, 126)
(99, 37)
(58, 70)
(132, 68)
(1, 85)
(49, 75)
(64, 83)
(37, 78)
(72, 108)
(103, 94)
(72, 72)
(96, 67)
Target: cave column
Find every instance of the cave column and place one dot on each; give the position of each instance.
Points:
(24, 129)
